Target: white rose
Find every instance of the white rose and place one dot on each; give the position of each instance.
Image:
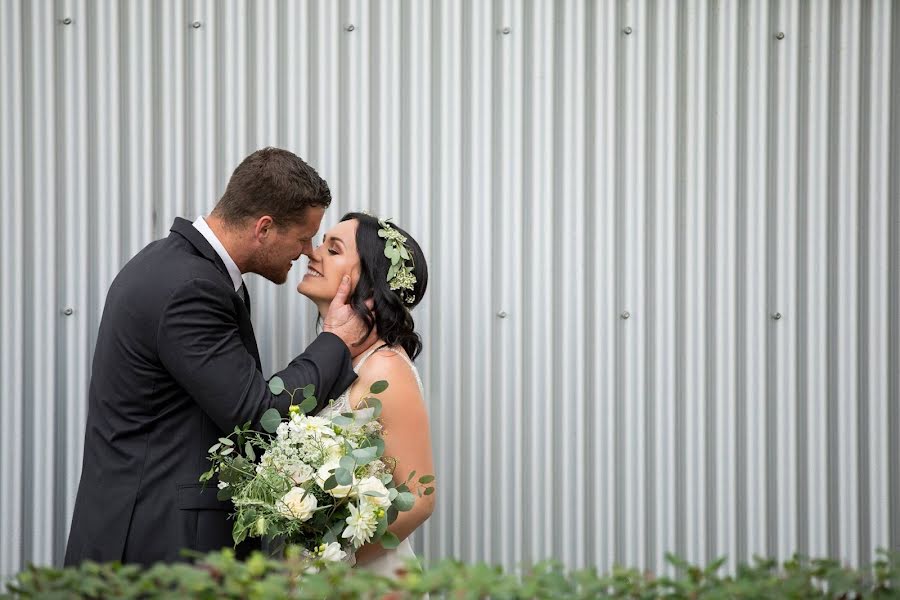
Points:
(334, 448)
(297, 504)
(373, 484)
(326, 471)
(332, 552)
(301, 473)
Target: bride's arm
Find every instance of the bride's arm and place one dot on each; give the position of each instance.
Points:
(406, 438)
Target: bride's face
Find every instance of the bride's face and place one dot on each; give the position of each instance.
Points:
(335, 257)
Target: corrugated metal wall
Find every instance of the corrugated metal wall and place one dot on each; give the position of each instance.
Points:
(663, 236)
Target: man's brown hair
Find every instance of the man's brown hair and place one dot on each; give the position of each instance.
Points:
(273, 182)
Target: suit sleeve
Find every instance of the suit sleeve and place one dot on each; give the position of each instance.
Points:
(199, 343)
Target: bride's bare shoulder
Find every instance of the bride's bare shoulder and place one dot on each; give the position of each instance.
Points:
(389, 364)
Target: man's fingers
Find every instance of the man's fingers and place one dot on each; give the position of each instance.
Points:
(340, 298)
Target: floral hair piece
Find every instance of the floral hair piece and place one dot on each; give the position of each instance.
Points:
(400, 276)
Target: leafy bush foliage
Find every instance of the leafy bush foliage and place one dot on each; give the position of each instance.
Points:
(220, 575)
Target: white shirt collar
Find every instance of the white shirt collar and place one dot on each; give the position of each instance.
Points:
(203, 227)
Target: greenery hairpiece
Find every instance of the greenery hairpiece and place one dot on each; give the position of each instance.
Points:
(400, 275)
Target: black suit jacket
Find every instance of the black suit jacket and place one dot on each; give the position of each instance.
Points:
(176, 366)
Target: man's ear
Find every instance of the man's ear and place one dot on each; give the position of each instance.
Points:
(263, 227)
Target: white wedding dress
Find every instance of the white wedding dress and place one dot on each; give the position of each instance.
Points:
(388, 563)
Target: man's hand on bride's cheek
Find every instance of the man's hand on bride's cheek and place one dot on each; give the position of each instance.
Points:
(343, 322)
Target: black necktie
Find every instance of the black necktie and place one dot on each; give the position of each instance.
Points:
(245, 296)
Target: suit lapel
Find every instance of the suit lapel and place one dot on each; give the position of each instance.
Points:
(186, 229)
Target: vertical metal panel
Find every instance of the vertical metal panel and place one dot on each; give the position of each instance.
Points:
(662, 241)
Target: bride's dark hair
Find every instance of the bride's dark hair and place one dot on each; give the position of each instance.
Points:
(391, 314)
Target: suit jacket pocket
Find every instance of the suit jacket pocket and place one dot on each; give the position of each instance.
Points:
(194, 496)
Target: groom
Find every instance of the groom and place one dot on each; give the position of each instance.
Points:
(176, 365)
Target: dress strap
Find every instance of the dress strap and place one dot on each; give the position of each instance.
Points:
(366, 356)
(411, 365)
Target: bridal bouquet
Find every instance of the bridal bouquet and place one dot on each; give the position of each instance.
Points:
(322, 483)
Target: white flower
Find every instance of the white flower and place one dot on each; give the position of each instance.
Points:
(333, 448)
(222, 485)
(297, 504)
(331, 552)
(318, 426)
(361, 524)
(372, 484)
(296, 424)
(326, 471)
(301, 473)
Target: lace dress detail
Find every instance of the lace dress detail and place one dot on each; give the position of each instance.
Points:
(393, 560)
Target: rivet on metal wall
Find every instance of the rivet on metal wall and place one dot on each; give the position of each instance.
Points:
(776, 316)
(779, 35)
(506, 31)
(67, 21)
(350, 27)
(502, 314)
(627, 31)
(626, 315)
(196, 24)
(68, 311)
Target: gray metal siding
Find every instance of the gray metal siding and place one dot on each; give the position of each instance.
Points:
(616, 200)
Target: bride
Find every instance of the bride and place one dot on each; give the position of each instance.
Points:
(383, 291)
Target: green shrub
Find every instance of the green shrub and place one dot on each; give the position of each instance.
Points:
(220, 575)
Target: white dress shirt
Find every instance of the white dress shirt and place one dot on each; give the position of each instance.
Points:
(203, 227)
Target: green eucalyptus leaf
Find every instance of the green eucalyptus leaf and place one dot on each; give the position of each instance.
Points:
(348, 463)
(392, 514)
(276, 385)
(379, 446)
(389, 541)
(378, 387)
(224, 493)
(404, 501)
(309, 391)
(381, 529)
(271, 419)
(248, 451)
(330, 483)
(341, 420)
(343, 476)
(386, 479)
(364, 456)
(392, 495)
(426, 479)
(226, 441)
(308, 404)
(374, 404)
(227, 451)
(214, 447)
